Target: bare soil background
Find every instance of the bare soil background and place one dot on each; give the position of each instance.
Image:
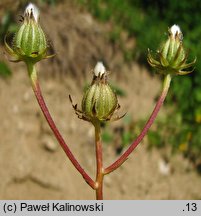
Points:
(32, 164)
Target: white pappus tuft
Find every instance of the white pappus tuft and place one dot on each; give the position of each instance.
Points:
(32, 9)
(175, 29)
(99, 69)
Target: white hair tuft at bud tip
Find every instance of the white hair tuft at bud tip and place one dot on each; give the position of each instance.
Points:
(32, 9)
(99, 69)
(175, 29)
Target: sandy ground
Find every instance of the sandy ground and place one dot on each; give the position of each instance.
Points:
(32, 164)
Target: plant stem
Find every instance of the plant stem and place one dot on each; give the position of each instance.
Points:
(37, 91)
(144, 131)
(99, 162)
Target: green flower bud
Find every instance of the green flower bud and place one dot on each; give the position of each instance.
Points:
(171, 58)
(99, 101)
(29, 42)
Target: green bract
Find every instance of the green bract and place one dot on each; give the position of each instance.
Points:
(171, 58)
(99, 100)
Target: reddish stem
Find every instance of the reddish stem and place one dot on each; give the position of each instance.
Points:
(43, 106)
(125, 155)
(99, 162)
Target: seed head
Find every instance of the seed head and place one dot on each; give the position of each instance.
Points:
(171, 57)
(99, 101)
(29, 43)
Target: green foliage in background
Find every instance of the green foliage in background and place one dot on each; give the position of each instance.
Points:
(124, 134)
(7, 25)
(4, 70)
(147, 21)
(50, 2)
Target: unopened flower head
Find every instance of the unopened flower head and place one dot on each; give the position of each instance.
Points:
(29, 43)
(99, 101)
(171, 57)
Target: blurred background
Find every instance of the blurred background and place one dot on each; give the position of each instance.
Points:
(166, 165)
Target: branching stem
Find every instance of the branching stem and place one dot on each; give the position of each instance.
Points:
(144, 131)
(98, 184)
(37, 91)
